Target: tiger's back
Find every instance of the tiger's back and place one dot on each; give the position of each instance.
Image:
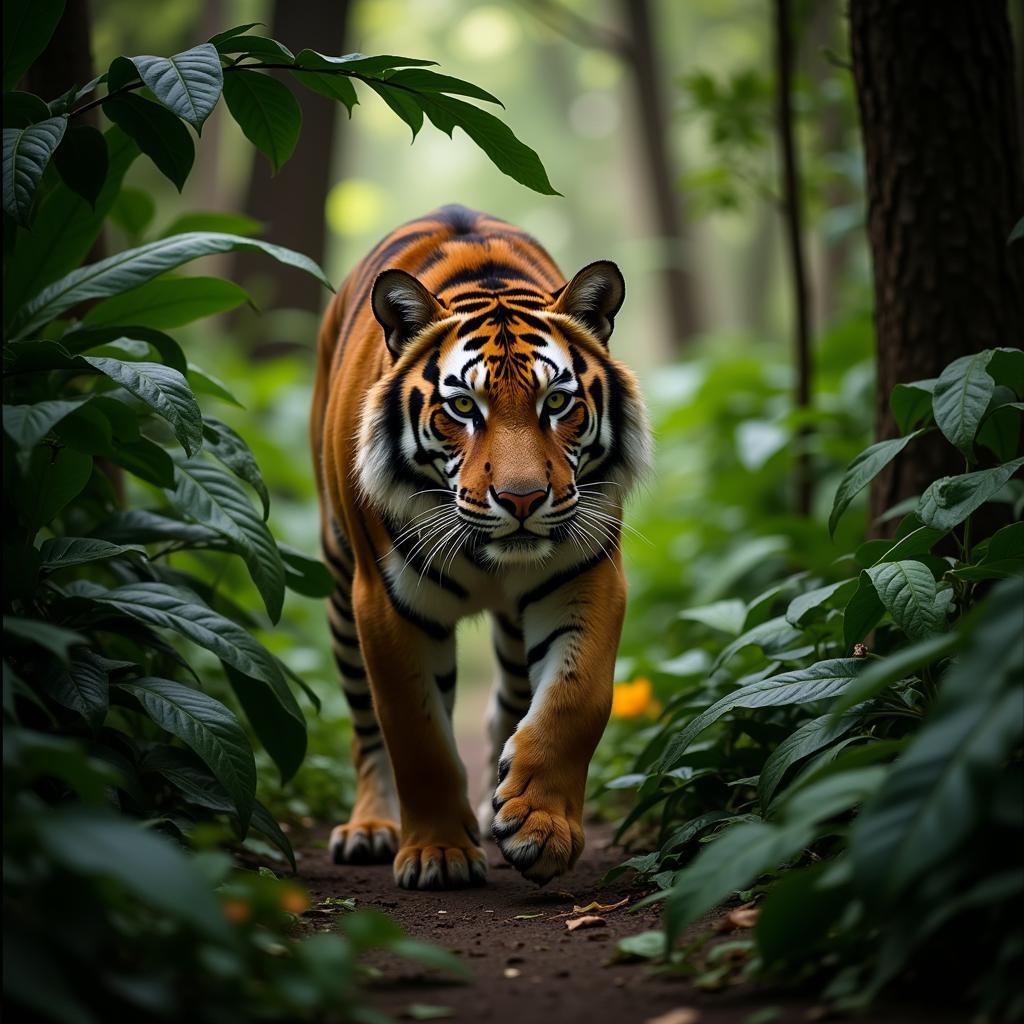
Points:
(473, 441)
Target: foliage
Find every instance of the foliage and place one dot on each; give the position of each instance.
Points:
(854, 730)
(126, 508)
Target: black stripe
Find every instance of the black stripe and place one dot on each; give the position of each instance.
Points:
(445, 681)
(336, 564)
(348, 669)
(358, 701)
(511, 709)
(513, 668)
(538, 651)
(508, 627)
(552, 583)
(340, 638)
(370, 748)
(406, 547)
(366, 730)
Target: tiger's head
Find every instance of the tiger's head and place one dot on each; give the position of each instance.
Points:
(504, 425)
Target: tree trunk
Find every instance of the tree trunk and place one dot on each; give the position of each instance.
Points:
(682, 296)
(292, 203)
(945, 185)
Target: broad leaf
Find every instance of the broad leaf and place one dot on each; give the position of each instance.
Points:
(803, 604)
(961, 397)
(267, 113)
(81, 160)
(28, 26)
(206, 384)
(157, 132)
(64, 552)
(164, 390)
(907, 590)
(188, 84)
(358, 63)
(802, 686)
(430, 81)
(918, 542)
(911, 404)
(142, 526)
(863, 470)
(771, 636)
(950, 500)
(27, 425)
(334, 87)
(83, 688)
(211, 496)
(230, 448)
(863, 612)
(54, 477)
(258, 46)
(55, 639)
(134, 267)
(209, 728)
(727, 616)
(27, 151)
(168, 302)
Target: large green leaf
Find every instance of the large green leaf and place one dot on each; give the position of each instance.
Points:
(54, 477)
(81, 160)
(811, 737)
(771, 636)
(422, 80)
(143, 526)
(168, 302)
(188, 84)
(28, 26)
(267, 113)
(863, 470)
(152, 868)
(908, 592)
(27, 425)
(230, 448)
(733, 861)
(802, 686)
(55, 639)
(64, 230)
(27, 151)
(65, 552)
(911, 404)
(211, 496)
(803, 604)
(209, 728)
(305, 575)
(961, 397)
(134, 267)
(254, 46)
(157, 132)
(862, 613)
(334, 87)
(82, 687)
(164, 390)
(950, 500)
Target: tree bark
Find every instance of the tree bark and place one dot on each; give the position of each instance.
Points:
(292, 203)
(945, 185)
(682, 295)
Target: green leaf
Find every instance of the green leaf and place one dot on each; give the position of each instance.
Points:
(258, 46)
(27, 151)
(64, 230)
(771, 636)
(65, 552)
(1000, 428)
(134, 267)
(802, 686)
(27, 425)
(811, 737)
(1007, 368)
(1003, 556)
(209, 728)
(334, 87)
(230, 33)
(429, 955)
(81, 161)
(141, 526)
(266, 111)
(231, 449)
(907, 590)
(430, 81)
(154, 870)
(879, 675)
(83, 688)
(188, 84)
(863, 612)
(918, 542)
(911, 404)
(358, 63)
(206, 384)
(803, 604)
(405, 105)
(727, 616)
(28, 26)
(168, 302)
(133, 210)
(863, 470)
(157, 132)
(164, 390)
(961, 397)
(494, 137)
(1017, 233)
(55, 476)
(733, 861)
(213, 220)
(22, 109)
(835, 793)
(949, 501)
(305, 575)
(209, 495)
(55, 639)
(643, 946)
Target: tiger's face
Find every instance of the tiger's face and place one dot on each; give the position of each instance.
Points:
(504, 425)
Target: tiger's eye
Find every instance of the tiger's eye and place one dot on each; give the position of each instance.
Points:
(463, 405)
(556, 400)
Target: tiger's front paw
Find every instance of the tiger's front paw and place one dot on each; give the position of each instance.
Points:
(364, 841)
(427, 864)
(535, 828)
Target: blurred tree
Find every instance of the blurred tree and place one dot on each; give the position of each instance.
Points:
(945, 184)
(292, 203)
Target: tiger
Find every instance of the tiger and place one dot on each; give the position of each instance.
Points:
(473, 443)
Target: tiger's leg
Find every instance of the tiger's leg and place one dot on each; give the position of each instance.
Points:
(405, 658)
(571, 639)
(510, 700)
(371, 833)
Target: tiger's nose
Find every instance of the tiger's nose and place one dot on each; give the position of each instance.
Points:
(520, 505)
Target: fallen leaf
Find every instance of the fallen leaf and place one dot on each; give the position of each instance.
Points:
(512, 972)
(526, 917)
(684, 1015)
(590, 921)
(601, 908)
(742, 917)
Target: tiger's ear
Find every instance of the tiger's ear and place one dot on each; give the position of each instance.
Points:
(594, 296)
(403, 307)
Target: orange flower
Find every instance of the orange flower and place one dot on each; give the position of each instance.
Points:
(237, 911)
(294, 901)
(631, 700)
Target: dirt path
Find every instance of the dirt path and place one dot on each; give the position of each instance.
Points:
(525, 964)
